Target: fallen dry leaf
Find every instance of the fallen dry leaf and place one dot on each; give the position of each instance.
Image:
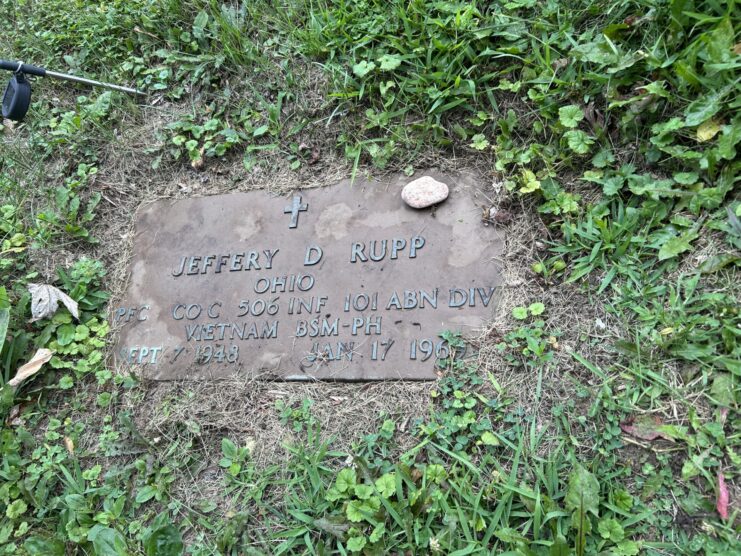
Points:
(707, 130)
(15, 411)
(45, 301)
(31, 368)
(630, 20)
(723, 415)
(560, 63)
(645, 427)
(723, 497)
(69, 444)
(499, 216)
(315, 153)
(14, 416)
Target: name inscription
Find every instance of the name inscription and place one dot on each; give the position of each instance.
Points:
(360, 288)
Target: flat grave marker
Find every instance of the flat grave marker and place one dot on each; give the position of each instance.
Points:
(337, 283)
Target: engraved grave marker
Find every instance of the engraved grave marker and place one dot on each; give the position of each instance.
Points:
(344, 283)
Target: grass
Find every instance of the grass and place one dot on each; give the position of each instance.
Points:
(601, 413)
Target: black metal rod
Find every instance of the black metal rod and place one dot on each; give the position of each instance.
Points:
(23, 68)
(41, 72)
(92, 82)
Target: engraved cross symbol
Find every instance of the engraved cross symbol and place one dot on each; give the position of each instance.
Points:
(294, 209)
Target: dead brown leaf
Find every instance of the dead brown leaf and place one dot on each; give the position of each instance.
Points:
(645, 427)
(31, 368)
(723, 497)
(45, 301)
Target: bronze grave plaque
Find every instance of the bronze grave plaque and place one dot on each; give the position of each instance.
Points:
(337, 283)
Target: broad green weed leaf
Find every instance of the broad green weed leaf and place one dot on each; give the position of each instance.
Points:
(676, 245)
(16, 509)
(333, 494)
(627, 548)
(363, 68)
(199, 24)
(145, 494)
(388, 62)
(4, 301)
(489, 439)
(603, 159)
(722, 389)
(510, 535)
(728, 139)
(663, 132)
(718, 262)
(385, 87)
(530, 182)
(560, 547)
(354, 511)
(612, 185)
(583, 491)
(644, 184)
(703, 108)
(610, 528)
(597, 52)
(165, 541)
(386, 485)
(229, 449)
(570, 115)
(578, 141)
(212, 125)
(377, 533)
(720, 41)
(345, 480)
(656, 88)
(363, 492)
(65, 334)
(479, 142)
(38, 546)
(435, 473)
(686, 178)
(356, 544)
(75, 501)
(107, 541)
(582, 498)
(520, 313)
(536, 308)
(623, 499)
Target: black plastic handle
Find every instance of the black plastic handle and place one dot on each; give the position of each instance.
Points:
(25, 68)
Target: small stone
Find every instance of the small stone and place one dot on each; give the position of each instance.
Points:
(424, 192)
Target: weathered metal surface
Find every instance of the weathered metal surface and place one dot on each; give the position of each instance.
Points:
(338, 283)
